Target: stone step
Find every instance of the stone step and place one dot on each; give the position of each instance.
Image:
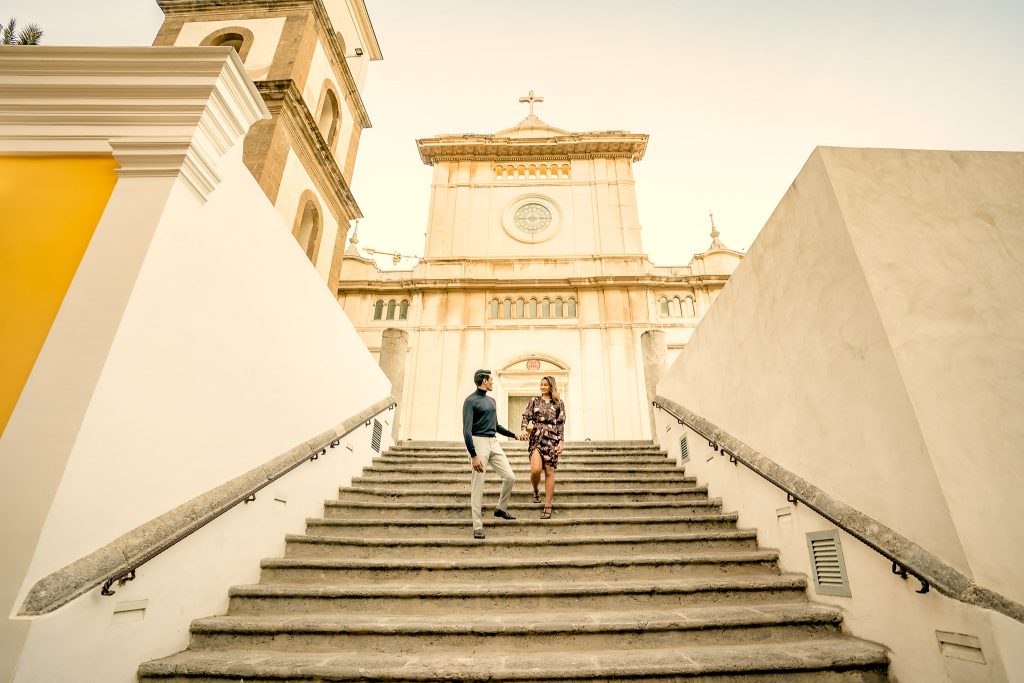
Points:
(500, 570)
(522, 494)
(514, 443)
(522, 461)
(547, 593)
(523, 456)
(822, 660)
(527, 524)
(600, 479)
(337, 509)
(498, 545)
(461, 466)
(536, 632)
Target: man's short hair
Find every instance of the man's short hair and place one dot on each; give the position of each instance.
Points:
(480, 376)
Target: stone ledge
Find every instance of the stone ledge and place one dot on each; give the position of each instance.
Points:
(148, 540)
(762, 658)
(941, 576)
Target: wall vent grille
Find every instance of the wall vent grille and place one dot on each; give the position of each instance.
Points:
(378, 430)
(827, 564)
(684, 449)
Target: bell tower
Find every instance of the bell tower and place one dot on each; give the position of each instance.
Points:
(308, 59)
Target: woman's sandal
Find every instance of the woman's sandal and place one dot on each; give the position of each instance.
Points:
(536, 497)
(546, 514)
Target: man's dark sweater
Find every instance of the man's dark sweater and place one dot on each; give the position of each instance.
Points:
(480, 418)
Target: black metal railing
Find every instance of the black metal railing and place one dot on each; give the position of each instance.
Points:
(899, 567)
(246, 497)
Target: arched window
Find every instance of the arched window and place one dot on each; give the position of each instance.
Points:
(663, 306)
(572, 307)
(231, 36)
(688, 309)
(329, 116)
(508, 308)
(520, 308)
(378, 309)
(494, 308)
(307, 228)
(545, 308)
(403, 310)
(533, 308)
(559, 309)
(391, 309)
(673, 307)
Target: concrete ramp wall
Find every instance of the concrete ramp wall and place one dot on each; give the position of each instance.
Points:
(872, 342)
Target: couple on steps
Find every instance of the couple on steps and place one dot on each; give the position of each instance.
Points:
(480, 429)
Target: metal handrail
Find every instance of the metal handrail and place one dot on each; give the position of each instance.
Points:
(246, 497)
(899, 567)
(118, 561)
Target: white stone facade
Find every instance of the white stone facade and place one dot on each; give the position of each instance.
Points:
(533, 266)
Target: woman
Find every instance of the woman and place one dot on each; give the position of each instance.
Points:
(547, 413)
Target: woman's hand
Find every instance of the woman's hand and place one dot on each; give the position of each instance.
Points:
(558, 448)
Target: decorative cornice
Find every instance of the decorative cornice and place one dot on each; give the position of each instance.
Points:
(327, 32)
(283, 99)
(162, 111)
(595, 145)
(489, 284)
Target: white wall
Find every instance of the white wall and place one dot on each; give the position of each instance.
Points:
(883, 608)
(871, 343)
(266, 36)
(229, 352)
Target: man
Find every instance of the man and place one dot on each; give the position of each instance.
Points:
(479, 425)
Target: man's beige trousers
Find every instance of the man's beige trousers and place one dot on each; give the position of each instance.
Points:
(489, 451)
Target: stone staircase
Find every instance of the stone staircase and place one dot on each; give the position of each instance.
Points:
(638, 576)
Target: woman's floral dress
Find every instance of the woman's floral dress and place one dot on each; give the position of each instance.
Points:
(548, 418)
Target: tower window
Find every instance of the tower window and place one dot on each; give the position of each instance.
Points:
(494, 308)
(329, 116)
(307, 228)
(237, 37)
(391, 309)
(378, 309)
(403, 310)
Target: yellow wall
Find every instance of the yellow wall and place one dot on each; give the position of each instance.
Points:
(49, 208)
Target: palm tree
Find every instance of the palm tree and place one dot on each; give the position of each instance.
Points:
(30, 35)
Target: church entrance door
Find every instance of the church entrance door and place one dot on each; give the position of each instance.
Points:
(520, 381)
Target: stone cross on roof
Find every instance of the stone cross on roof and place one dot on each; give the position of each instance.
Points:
(531, 99)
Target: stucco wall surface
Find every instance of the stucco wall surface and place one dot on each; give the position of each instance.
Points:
(229, 347)
(870, 342)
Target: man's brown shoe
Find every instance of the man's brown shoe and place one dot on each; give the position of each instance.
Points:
(503, 514)
(478, 533)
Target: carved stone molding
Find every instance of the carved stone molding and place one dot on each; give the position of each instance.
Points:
(600, 145)
(160, 111)
(285, 102)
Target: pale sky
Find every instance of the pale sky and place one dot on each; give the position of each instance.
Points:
(734, 94)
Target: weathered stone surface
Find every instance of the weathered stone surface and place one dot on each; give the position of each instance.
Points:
(382, 588)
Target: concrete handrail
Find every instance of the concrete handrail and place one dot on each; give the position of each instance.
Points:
(928, 568)
(123, 555)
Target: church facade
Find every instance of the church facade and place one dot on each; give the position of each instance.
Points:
(533, 266)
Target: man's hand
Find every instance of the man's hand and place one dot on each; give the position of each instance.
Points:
(477, 465)
(523, 436)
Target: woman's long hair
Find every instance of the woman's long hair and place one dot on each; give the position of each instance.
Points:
(554, 390)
